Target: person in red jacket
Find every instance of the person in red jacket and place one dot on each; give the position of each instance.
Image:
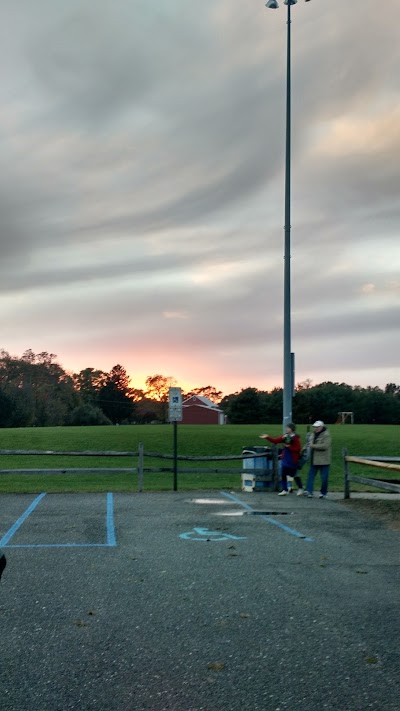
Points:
(290, 457)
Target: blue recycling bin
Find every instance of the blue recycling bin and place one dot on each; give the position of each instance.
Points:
(262, 474)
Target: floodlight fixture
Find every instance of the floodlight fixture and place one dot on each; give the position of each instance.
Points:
(274, 4)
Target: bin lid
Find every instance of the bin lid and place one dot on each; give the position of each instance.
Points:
(256, 449)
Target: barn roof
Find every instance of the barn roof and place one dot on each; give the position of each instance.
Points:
(201, 401)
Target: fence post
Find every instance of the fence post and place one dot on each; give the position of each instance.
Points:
(346, 475)
(140, 466)
(175, 456)
(275, 467)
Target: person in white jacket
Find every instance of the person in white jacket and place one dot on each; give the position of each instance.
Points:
(320, 459)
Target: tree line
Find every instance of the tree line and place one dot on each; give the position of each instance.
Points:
(36, 391)
(370, 405)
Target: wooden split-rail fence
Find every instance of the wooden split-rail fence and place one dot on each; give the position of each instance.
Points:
(139, 467)
(383, 463)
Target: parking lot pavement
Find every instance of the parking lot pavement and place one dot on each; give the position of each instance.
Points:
(369, 495)
(201, 605)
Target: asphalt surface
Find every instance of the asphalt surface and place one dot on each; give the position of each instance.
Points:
(264, 620)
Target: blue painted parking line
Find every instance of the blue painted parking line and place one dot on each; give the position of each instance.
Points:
(14, 528)
(111, 540)
(269, 519)
(287, 529)
(110, 530)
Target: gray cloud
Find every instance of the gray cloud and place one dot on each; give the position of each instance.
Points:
(142, 153)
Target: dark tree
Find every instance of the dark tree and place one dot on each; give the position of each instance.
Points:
(6, 409)
(273, 406)
(115, 396)
(158, 389)
(207, 391)
(89, 382)
(245, 408)
(42, 393)
(88, 415)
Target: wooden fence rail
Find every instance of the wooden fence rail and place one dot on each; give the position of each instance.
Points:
(75, 470)
(49, 452)
(272, 472)
(113, 453)
(140, 469)
(385, 463)
(219, 458)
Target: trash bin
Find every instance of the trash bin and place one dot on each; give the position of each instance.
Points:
(261, 474)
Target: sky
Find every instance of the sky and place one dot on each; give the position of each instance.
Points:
(142, 152)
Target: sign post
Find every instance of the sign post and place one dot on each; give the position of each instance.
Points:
(175, 416)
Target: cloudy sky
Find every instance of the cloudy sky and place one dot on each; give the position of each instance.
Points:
(142, 188)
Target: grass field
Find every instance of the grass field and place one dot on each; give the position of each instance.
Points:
(192, 440)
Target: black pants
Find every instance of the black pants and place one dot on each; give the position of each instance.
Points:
(2, 562)
(289, 471)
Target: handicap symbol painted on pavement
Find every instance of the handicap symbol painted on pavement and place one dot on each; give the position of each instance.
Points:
(204, 534)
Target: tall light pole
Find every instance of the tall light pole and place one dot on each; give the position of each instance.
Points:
(288, 356)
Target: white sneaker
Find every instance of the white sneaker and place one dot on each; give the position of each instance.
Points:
(283, 493)
(300, 492)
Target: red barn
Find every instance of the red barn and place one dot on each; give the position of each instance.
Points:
(197, 410)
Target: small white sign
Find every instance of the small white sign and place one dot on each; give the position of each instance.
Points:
(175, 405)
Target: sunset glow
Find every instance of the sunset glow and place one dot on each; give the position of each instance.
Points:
(142, 190)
